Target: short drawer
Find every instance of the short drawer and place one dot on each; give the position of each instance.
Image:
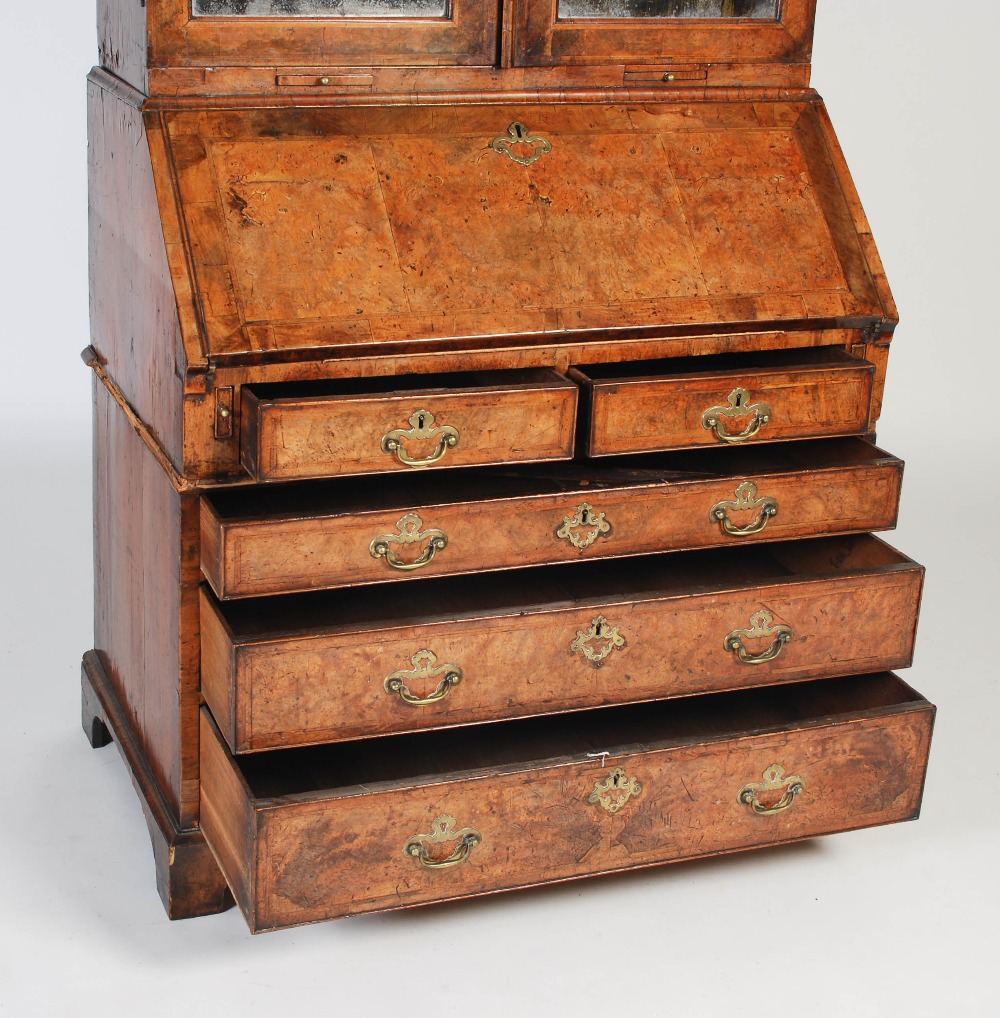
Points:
(371, 425)
(773, 396)
(273, 540)
(311, 834)
(326, 667)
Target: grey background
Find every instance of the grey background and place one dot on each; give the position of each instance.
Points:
(893, 921)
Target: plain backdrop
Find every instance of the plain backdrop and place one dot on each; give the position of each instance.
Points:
(892, 921)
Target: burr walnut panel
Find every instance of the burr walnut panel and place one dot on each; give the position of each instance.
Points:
(312, 834)
(760, 397)
(372, 425)
(334, 534)
(333, 227)
(320, 668)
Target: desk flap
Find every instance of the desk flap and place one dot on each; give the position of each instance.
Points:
(313, 230)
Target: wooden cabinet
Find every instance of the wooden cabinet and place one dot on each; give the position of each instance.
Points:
(485, 397)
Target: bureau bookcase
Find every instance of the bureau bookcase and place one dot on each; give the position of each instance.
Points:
(485, 480)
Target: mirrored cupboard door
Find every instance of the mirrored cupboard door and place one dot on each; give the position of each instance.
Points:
(554, 32)
(245, 33)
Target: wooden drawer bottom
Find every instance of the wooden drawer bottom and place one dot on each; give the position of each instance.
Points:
(320, 833)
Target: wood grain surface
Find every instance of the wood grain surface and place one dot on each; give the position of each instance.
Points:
(330, 430)
(662, 405)
(314, 669)
(858, 747)
(272, 541)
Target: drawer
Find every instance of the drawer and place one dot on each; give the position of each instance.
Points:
(318, 833)
(347, 664)
(372, 425)
(290, 538)
(773, 396)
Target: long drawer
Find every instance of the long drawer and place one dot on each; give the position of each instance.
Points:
(271, 540)
(347, 664)
(311, 834)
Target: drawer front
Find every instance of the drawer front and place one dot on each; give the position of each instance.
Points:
(322, 855)
(679, 411)
(283, 554)
(286, 437)
(383, 677)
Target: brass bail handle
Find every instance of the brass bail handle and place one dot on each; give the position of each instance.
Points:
(422, 429)
(425, 667)
(409, 531)
(739, 405)
(775, 780)
(746, 500)
(761, 627)
(443, 832)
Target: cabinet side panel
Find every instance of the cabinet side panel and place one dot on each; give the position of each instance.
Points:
(121, 40)
(133, 310)
(146, 609)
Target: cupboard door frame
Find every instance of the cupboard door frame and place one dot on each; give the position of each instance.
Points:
(541, 39)
(466, 37)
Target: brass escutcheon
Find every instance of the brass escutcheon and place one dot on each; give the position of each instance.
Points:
(761, 628)
(598, 642)
(614, 791)
(425, 667)
(517, 134)
(774, 781)
(714, 418)
(409, 531)
(584, 527)
(422, 429)
(746, 500)
(442, 832)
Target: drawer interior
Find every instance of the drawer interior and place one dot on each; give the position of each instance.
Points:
(462, 597)
(411, 385)
(346, 495)
(820, 357)
(348, 769)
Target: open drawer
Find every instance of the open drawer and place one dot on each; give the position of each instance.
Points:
(288, 538)
(733, 399)
(326, 667)
(311, 834)
(371, 425)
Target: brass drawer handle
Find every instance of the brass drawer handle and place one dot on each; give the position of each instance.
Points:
(425, 667)
(584, 527)
(714, 418)
(774, 781)
(760, 629)
(614, 791)
(409, 531)
(746, 500)
(442, 832)
(421, 429)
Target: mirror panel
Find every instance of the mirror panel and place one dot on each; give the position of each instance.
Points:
(321, 8)
(607, 9)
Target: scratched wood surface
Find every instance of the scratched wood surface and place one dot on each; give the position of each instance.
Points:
(321, 850)
(314, 669)
(329, 429)
(270, 541)
(637, 407)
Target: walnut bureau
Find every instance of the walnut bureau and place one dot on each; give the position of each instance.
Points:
(485, 478)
